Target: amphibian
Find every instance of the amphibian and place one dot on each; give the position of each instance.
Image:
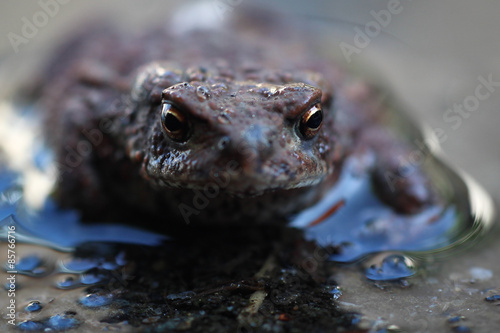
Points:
(237, 124)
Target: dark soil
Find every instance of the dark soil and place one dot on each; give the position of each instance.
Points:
(204, 281)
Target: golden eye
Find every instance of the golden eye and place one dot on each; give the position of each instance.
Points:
(175, 123)
(311, 121)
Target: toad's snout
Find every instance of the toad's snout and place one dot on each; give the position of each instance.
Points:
(251, 147)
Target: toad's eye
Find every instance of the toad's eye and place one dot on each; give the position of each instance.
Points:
(311, 121)
(175, 122)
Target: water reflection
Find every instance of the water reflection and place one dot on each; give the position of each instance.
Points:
(361, 224)
(56, 228)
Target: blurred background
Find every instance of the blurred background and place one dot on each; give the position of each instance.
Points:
(431, 55)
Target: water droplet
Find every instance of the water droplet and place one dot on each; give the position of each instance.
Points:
(461, 329)
(109, 266)
(493, 298)
(68, 282)
(31, 265)
(30, 325)
(335, 291)
(92, 278)
(39, 271)
(62, 322)
(33, 306)
(393, 267)
(78, 265)
(94, 300)
(203, 93)
(11, 286)
(454, 319)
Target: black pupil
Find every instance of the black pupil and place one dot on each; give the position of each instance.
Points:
(315, 120)
(172, 123)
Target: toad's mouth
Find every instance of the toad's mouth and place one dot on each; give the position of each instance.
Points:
(237, 178)
(237, 183)
(253, 189)
(212, 189)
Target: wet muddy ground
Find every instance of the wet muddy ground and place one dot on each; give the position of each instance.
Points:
(448, 296)
(195, 286)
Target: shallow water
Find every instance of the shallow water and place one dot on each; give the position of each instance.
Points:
(363, 225)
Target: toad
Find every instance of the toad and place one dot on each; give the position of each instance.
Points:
(240, 124)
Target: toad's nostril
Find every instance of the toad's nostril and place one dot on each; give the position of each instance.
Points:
(260, 138)
(250, 148)
(224, 143)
